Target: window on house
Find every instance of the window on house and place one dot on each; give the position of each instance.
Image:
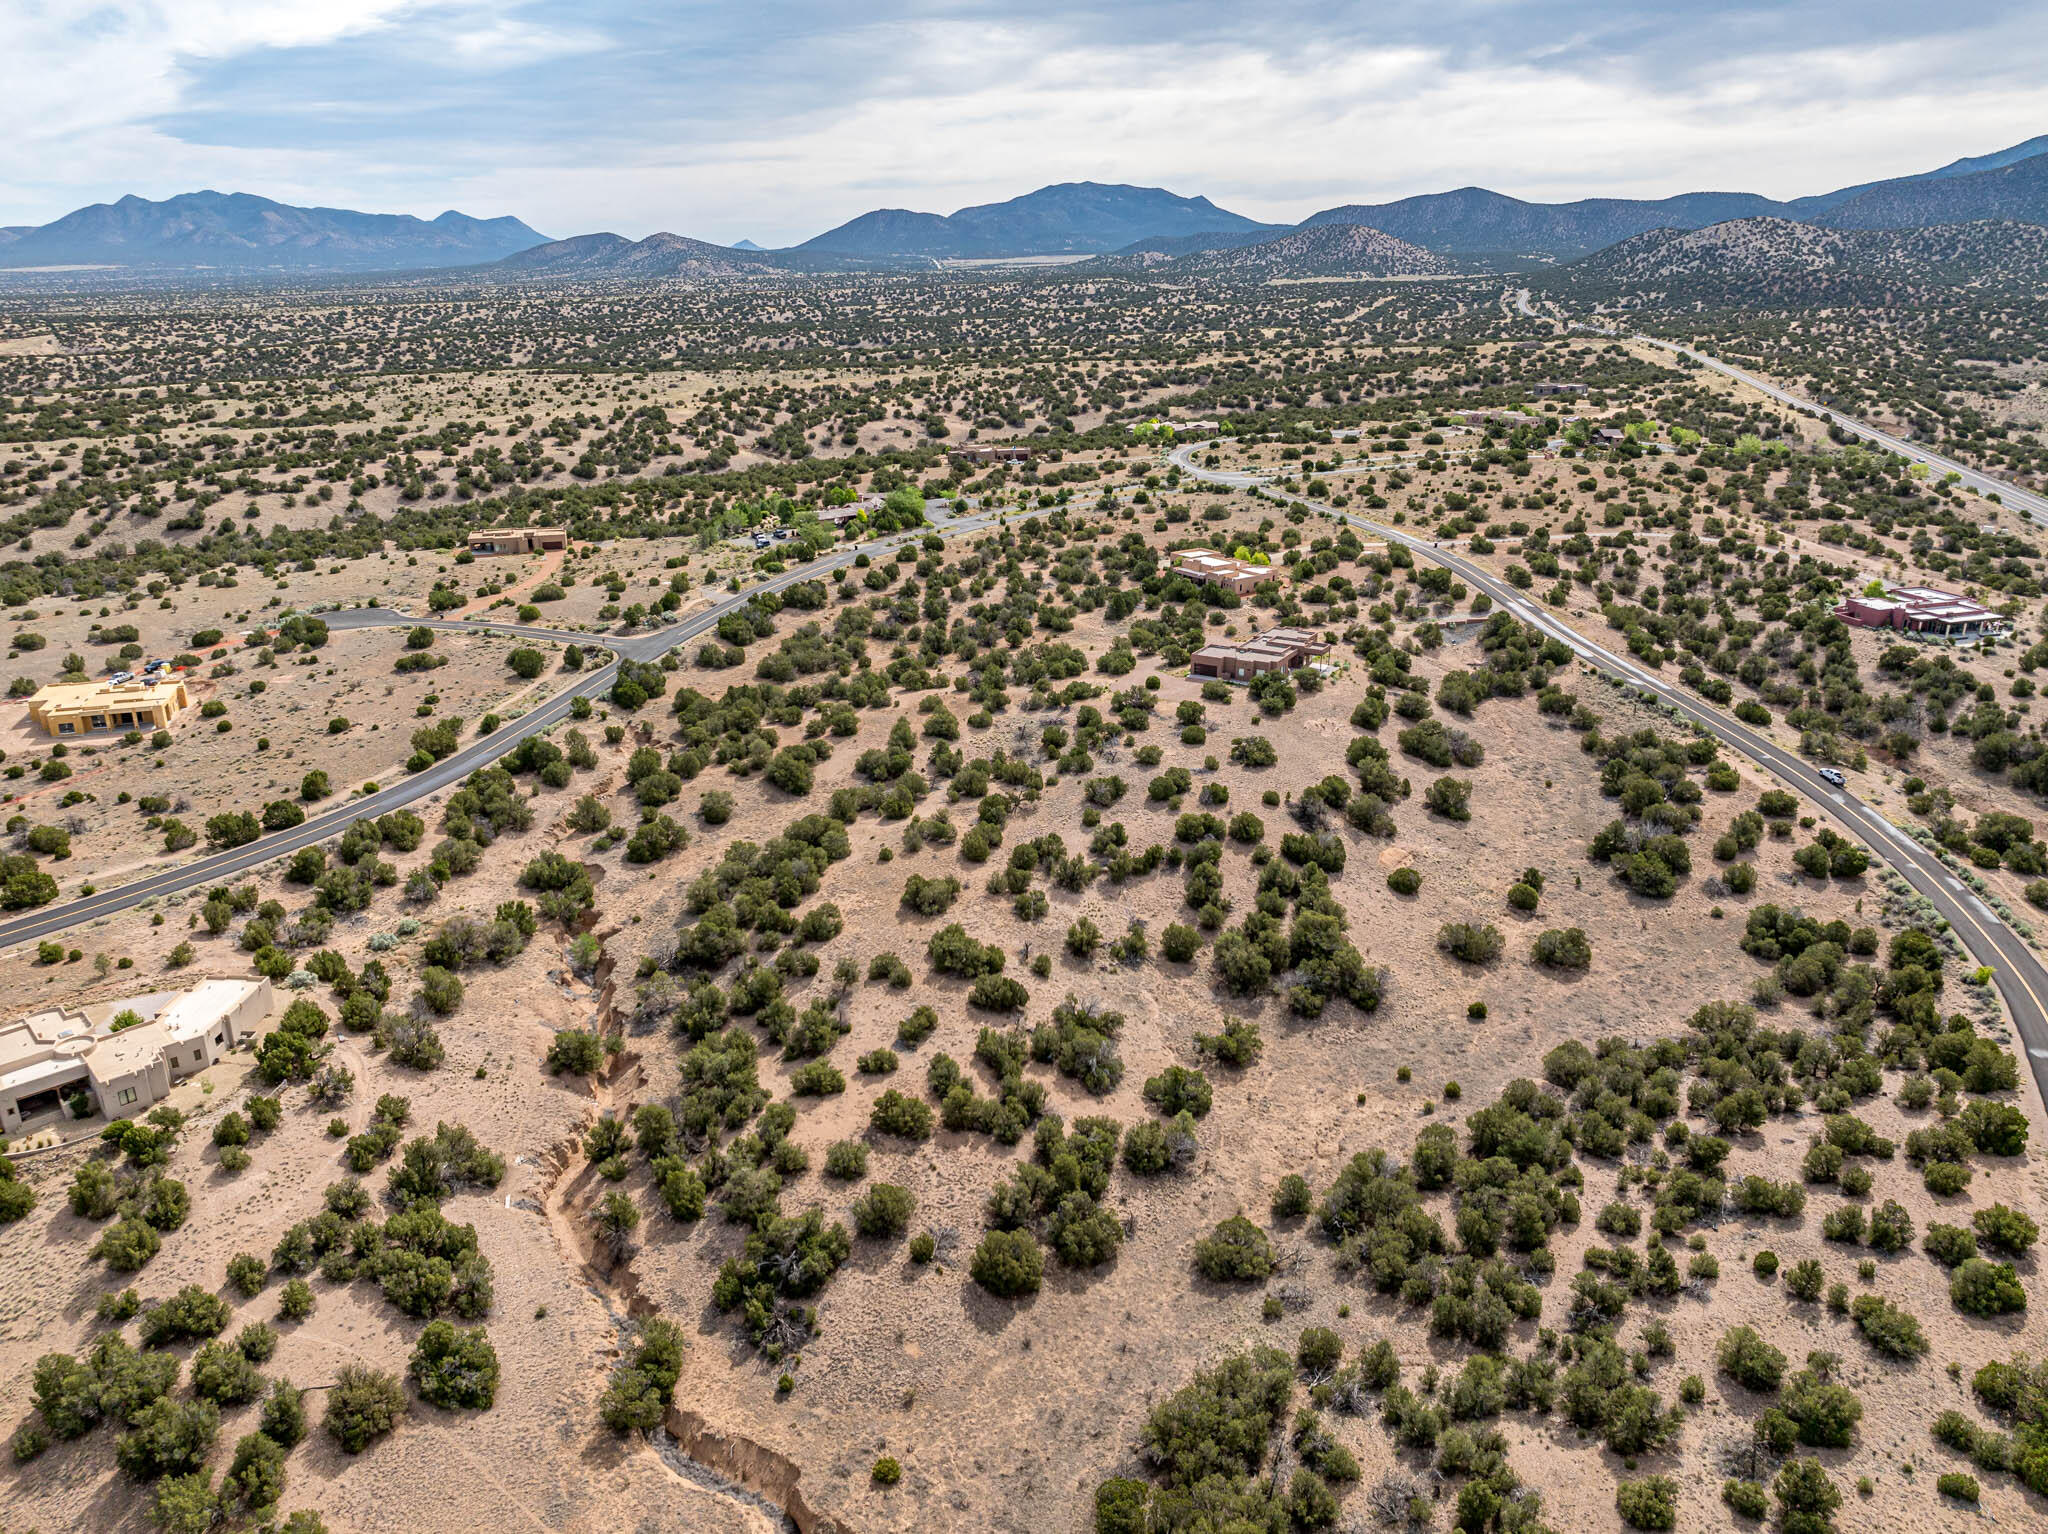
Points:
(125, 1096)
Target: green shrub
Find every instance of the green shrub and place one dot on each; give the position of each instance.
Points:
(187, 1316)
(1745, 1357)
(1746, 1497)
(2004, 1229)
(455, 1368)
(1318, 1350)
(1292, 1198)
(1008, 1263)
(1649, 1503)
(1894, 1332)
(1179, 1090)
(1806, 1497)
(1562, 948)
(905, 1117)
(222, 1374)
(168, 1438)
(1956, 1484)
(577, 1051)
(884, 1210)
(1472, 943)
(1984, 1288)
(363, 1405)
(1237, 1251)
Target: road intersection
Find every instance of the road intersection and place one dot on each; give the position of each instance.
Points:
(646, 647)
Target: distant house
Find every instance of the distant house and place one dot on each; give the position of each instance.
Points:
(1543, 389)
(1212, 568)
(121, 703)
(1281, 649)
(1007, 453)
(1923, 610)
(839, 516)
(168, 1036)
(518, 540)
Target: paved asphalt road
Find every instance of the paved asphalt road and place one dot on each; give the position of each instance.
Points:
(479, 753)
(2029, 502)
(2020, 976)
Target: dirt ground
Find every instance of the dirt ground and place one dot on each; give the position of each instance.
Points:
(291, 704)
(1004, 1414)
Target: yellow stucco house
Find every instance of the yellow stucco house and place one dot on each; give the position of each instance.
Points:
(80, 708)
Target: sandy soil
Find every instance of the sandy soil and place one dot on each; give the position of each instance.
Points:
(1006, 1414)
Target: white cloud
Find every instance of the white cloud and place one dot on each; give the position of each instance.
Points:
(1279, 139)
(788, 125)
(504, 42)
(79, 65)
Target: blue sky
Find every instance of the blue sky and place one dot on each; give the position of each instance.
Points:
(779, 118)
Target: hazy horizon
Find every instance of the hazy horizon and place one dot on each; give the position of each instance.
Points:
(782, 121)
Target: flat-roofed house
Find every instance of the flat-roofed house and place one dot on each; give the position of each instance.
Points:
(137, 703)
(1281, 649)
(123, 1055)
(1212, 568)
(518, 540)
(1924, 610)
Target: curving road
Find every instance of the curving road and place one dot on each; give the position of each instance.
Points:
(452, 769)
(2019, 974)
(2028, 502)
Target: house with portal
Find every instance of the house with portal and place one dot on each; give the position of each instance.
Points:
(1279, 649)
(122, 1056)
(1924, 610)
(518, 540)
(121, 702)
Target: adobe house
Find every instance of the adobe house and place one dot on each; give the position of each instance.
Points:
(1282, 649)
(123, 1056)
(1215, 569)
(66, 709)
(1923, 610)
(518, 540)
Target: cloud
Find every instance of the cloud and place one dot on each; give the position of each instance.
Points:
(779, 119)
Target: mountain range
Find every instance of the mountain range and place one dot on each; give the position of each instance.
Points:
(242, 233)
(1322, 250)
(1074, 217)
(1753, 259)
(1474, 221)
(237, 231)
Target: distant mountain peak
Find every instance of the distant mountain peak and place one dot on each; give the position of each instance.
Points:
(1069, 217)
(613, 255)
(1329, 250)
(241, 231)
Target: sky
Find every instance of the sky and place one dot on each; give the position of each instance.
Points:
(777, 119)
